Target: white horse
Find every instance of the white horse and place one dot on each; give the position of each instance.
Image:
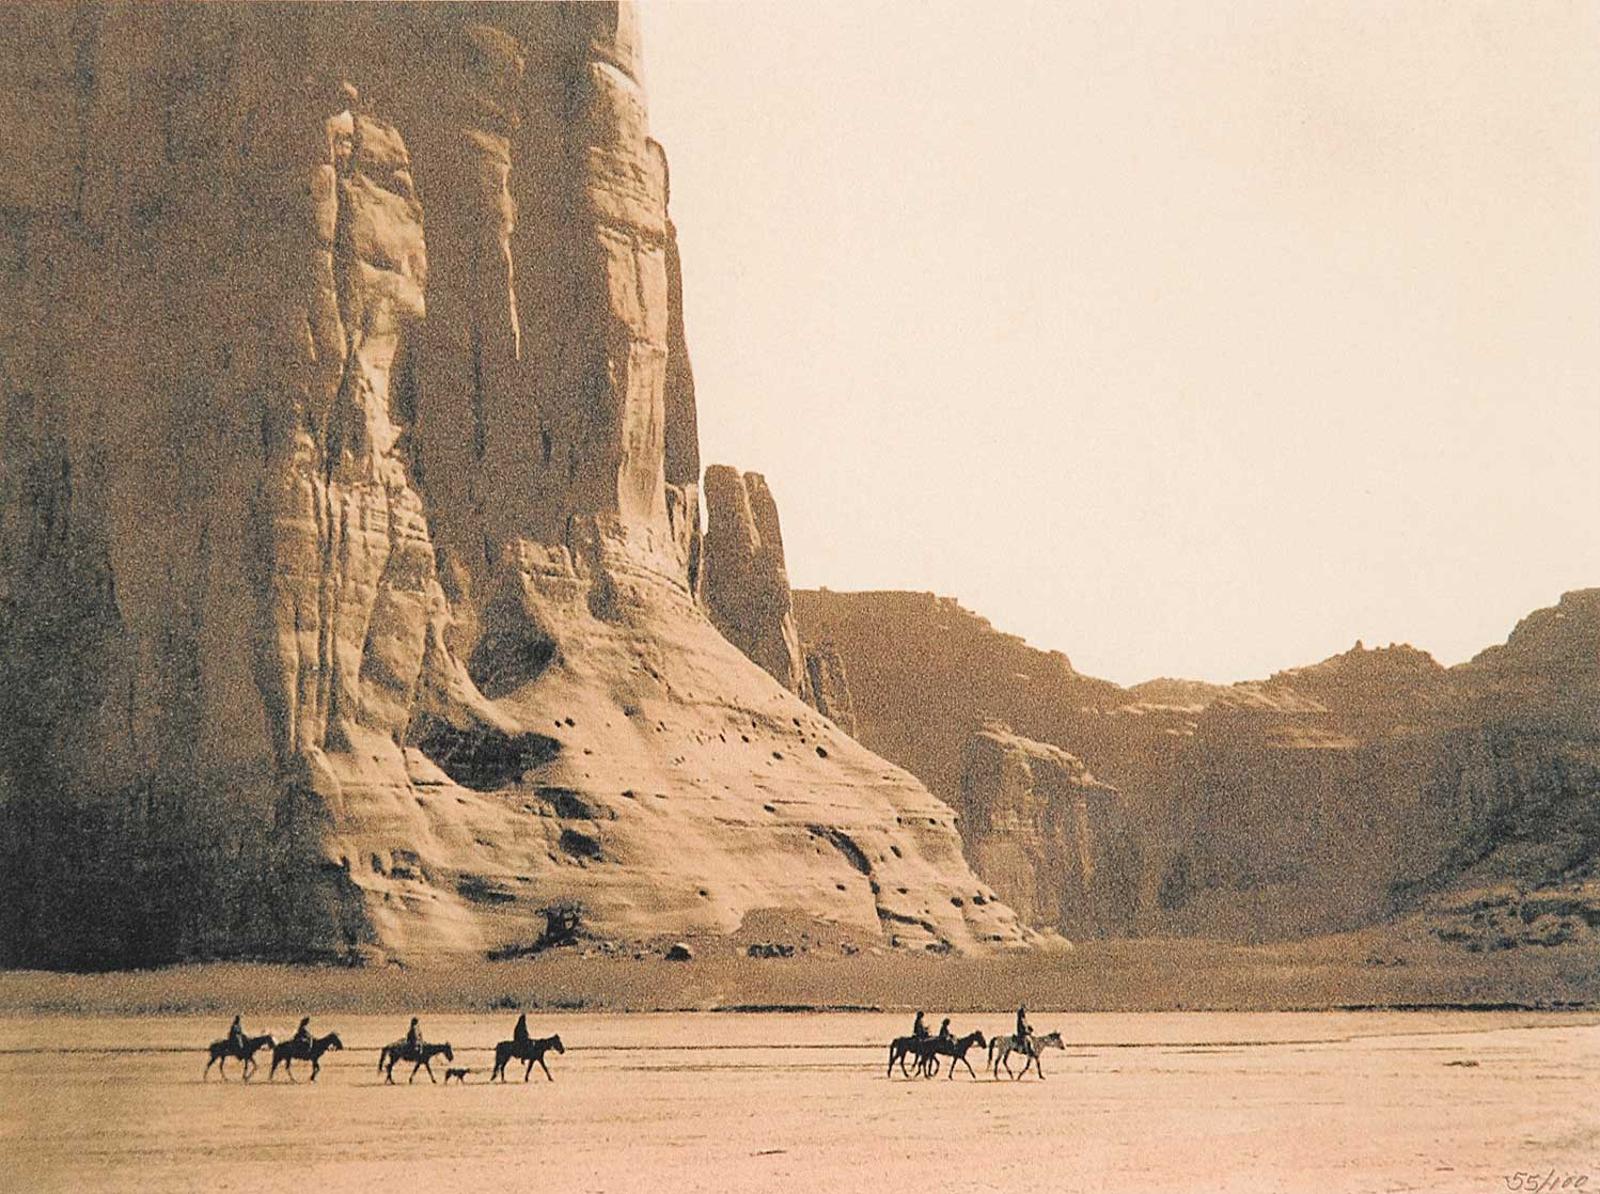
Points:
(1002, 1047)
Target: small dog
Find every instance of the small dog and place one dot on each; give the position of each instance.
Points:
(459, 1073)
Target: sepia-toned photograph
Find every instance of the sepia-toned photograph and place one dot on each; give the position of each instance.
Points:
(800, 596)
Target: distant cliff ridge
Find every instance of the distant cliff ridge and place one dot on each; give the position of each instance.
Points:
(350, 537)
(1373, 784)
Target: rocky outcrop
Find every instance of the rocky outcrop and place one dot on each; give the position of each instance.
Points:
(349, 526)
(1054, 842)
(745, 581)
(744, 587)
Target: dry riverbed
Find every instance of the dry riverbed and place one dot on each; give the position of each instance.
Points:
(752, 1102)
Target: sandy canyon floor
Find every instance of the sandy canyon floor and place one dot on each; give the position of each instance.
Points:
(1350, 1101)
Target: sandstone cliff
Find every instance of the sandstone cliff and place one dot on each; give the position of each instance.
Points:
(349, 488)
(1054, 842)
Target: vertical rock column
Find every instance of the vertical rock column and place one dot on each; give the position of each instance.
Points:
(744, 582)
(593, 272)
(477, 412)
(682, 422)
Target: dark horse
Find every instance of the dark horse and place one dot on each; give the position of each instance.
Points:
(903, 1047)
(296, 1050)
(225, 1048)
(530, 1052)
(422, 1055)
(933, 1048)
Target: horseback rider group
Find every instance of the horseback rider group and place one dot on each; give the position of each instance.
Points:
(302, 1035)
(919, 1030)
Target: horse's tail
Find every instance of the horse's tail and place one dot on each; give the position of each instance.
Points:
(383, 1056)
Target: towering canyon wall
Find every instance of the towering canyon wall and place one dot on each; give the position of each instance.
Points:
(349, 486)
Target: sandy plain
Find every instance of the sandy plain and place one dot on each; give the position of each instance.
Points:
(1181, 1101)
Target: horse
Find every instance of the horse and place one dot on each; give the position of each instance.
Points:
(422, 1055)
(225, 1048)
(902, 1047)
(297, 1050)
(956, 1050)
(1001, 1048)
(529, 1051)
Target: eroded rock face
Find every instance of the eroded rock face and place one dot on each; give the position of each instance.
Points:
(745, 581)
(829, 686)
(349, 531)
(1054, 842)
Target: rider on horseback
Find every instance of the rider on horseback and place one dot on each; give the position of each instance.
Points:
(919, 1030)
(236, 1036)
(520, 1033)
(302, 1035)
(1024, 1036)
(413, 1036)
(945, 1034)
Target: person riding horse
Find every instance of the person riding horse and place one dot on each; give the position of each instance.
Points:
(236, 1036)
(413, 1036)
(945, 1034)
(919, 1030)
(302, 1035)
(1024, 1037)
(520, 1033)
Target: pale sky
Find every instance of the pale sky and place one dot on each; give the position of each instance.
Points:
(1189, 339)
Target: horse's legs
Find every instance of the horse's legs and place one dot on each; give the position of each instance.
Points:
(288, 1068)
(414, 1070)
(1039, 1064)
(527, 1070)
(316, 1067)
(548, 1076)
(427, 1065)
